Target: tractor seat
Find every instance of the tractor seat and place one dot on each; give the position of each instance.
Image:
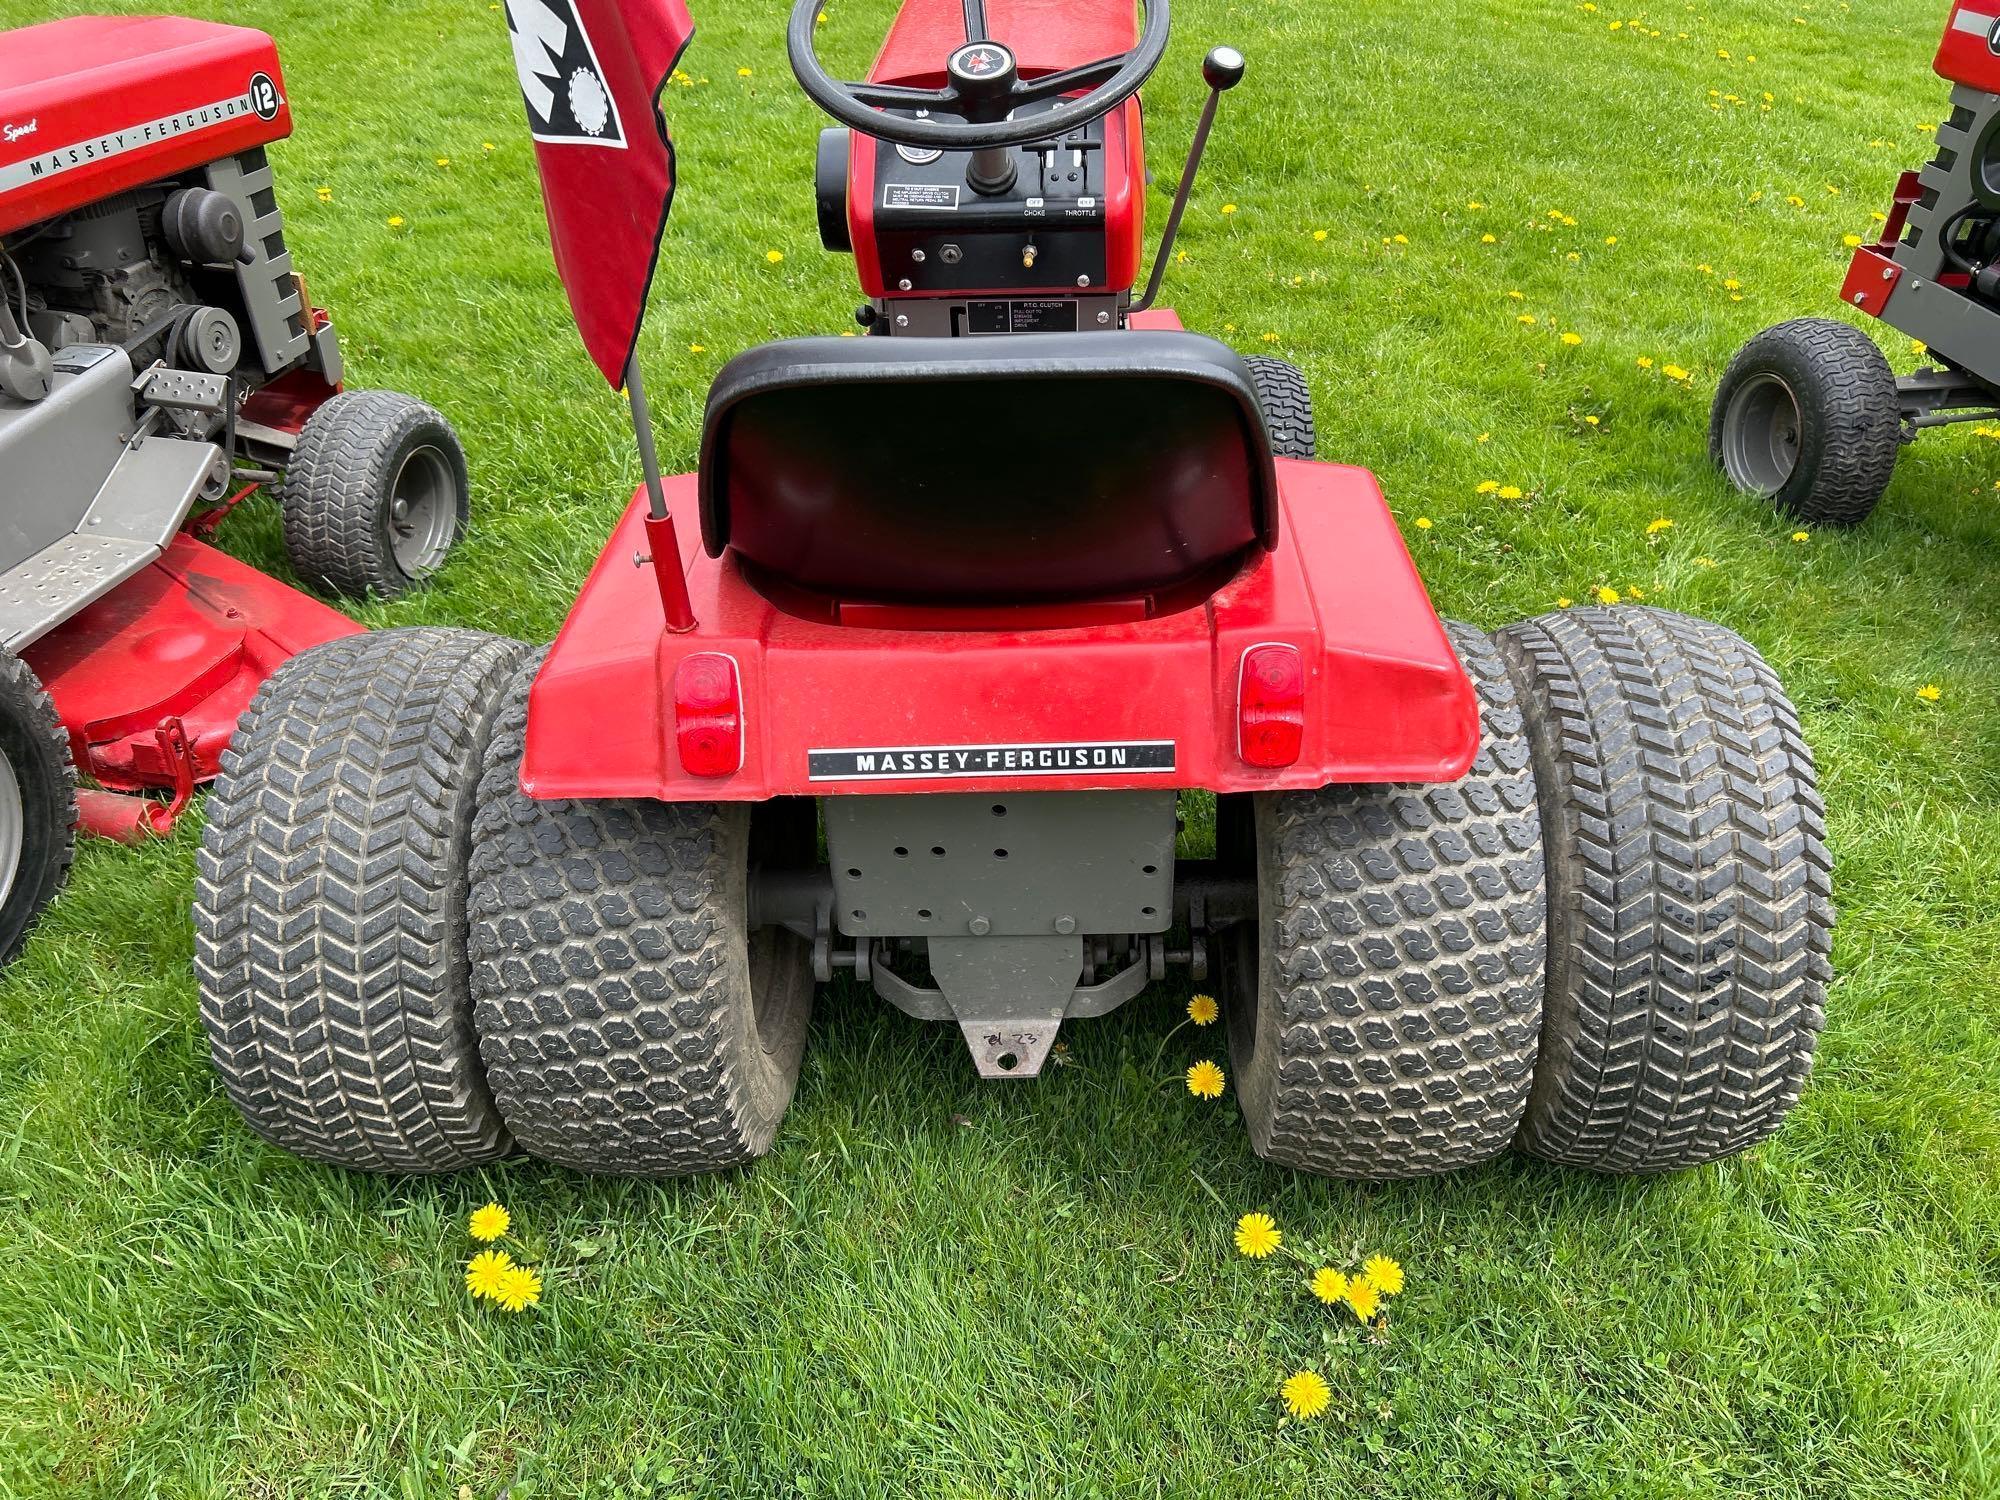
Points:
(1010, 469)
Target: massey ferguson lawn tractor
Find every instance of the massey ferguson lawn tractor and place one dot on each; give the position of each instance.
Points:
(977, 605)
(1809, 413)
(159, 362)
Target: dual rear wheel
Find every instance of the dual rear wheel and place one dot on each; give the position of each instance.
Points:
(1606, 944)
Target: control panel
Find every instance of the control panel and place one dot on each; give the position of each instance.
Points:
(1016, 237)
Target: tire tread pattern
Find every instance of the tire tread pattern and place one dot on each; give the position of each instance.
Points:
(1690, 889)
(338, 480)
(1847, 392)
(28, 703)
(1287, 402)
(607, 973)
(330, 898)
(1407, 968)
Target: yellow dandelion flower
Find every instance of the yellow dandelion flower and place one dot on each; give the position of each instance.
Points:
(395, 221)
(1528, 318)
(324, 194)
(1635, 593)
(1673, 372)
(1850, 240)
(1731, 284)
(1487, 239)
(1423, 523)
(774, 256)
(1930, 692)
(1402, 239)
(1518, 296)
(1657, 525)
(1305, 1394)
(1573, 257)
(1563, 603)
(444, 161)
(1202, 1010)
(744, 73)
(1229, 208)
(1270, 338)
(1484, 437)
(1593, 421)
(1510, 492)
(1487, 487)
(1319, 235)
(1795, 200)
(488, 146)
(1607, 596)
(1363, 1298)
(1384, 1274)
(697, 348)
(490, 1222)
(520, 1287)
(1704, 562)
(1919, 348)
(1257, 1235)
(1611, 239)
(1572, 339)
(1645, 361)
(484, 1270)
(1329, 1285)
(1205, 1080)
(1802, 536)
(1475, 205)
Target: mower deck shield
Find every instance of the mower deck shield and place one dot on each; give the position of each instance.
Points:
(1013, 704)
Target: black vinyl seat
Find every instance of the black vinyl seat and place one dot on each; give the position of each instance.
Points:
(1025, 468)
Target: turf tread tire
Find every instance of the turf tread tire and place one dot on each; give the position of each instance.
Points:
(1287, 402)
(613, 975)
(1851, 423)
(1400, 987)
(1690, 892)
(37, 748)
(333, 492)
(329, 911)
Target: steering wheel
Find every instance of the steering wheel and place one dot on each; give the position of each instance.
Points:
(985, 87)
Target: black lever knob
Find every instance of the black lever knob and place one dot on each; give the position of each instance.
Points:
(1222, 68)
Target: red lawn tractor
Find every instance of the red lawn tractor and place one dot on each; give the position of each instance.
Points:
(159, 362)
(980, 604)
(1809, 413)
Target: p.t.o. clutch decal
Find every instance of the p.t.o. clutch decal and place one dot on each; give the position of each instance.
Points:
(946, 762)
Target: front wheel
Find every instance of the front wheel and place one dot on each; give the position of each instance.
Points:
(376, 494)
(37, 802)
(1807, 417)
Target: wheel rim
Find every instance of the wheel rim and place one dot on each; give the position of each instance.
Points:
(12, 831)
(423, 511)
(1761, 432)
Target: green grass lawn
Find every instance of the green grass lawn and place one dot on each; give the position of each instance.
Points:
(941, 1287)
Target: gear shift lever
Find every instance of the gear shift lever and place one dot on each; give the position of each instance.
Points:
(1222, 70)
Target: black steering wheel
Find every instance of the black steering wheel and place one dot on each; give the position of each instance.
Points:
(985, 87)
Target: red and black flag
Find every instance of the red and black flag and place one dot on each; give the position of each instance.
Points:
(591, 73)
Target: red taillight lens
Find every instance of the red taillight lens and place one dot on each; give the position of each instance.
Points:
(708, 714)
(1271, 705)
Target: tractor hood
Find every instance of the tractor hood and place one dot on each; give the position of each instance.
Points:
(95, 105)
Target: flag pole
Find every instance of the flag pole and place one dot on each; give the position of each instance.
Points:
(660, 538)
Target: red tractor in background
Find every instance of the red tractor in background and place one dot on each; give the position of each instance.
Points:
(977, 606)
(160, 361)
(1809, 414)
